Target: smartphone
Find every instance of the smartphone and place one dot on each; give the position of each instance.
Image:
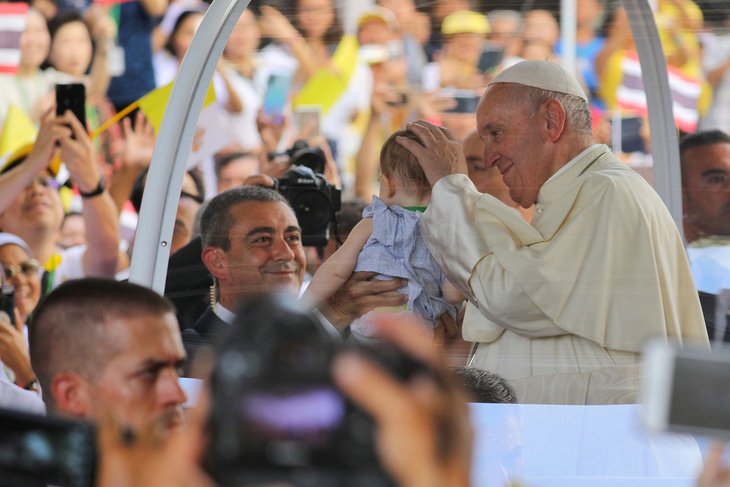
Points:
(72, 97)
(7, 303)
(308, 117)
(277, 92)
(686, 390)
(489, 58)
(41, 451)
(466, 101)
(626, 132)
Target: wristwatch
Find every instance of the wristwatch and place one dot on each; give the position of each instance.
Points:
(32, 386)
(96, 192)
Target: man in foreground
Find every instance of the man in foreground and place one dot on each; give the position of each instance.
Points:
(100, 346)
(568, 300)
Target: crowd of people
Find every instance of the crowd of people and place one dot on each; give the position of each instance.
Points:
(497, 215)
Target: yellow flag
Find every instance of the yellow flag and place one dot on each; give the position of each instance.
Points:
(19, 133)
(153, 105)
(326, 85)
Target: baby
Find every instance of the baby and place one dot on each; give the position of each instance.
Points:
(388, 241)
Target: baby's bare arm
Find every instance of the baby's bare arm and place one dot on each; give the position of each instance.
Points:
(333, 273)
(451, 294)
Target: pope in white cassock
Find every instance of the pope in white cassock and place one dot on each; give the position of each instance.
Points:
(560, 306)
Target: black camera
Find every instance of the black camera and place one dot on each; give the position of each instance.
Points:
(37, 451)
(276, 415)
(314, 200)
(7, 300)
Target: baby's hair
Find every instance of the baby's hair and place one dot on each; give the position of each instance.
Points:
(396, 160)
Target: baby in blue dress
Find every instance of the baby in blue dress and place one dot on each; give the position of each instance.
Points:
(388, 241)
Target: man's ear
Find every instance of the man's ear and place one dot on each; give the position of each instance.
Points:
(72, 394)
(216, 261)
(554, 121)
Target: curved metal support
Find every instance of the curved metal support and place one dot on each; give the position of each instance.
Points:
(568, 25)
(174, 141)
(664, 143)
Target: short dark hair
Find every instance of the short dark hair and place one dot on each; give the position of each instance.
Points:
(216, 220)
(66, 17)
(702, 138)
(486, 387)
(69, 329)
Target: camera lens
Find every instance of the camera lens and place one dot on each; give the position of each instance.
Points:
(312, 208)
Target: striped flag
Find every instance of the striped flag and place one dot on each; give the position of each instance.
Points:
(685, 92)
(12, 25)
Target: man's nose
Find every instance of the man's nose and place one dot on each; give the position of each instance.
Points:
(171, 392)
(281, 250)
(490, 157)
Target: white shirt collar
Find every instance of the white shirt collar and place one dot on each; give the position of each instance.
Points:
(224, 314)
(570, 164)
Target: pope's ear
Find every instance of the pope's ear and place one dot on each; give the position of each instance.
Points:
(555, 119)
(72, 394)
(216, 261)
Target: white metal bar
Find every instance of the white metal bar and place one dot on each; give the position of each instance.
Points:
(664, 143)
(174, 141)
(568, 26)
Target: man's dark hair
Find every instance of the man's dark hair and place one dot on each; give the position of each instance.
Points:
(216, 220)
(70, 328)
(486, 386)
(702, 138)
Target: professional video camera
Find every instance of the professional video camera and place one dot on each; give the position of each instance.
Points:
(314, 200)
(276, 416)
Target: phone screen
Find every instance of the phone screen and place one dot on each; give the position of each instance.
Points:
(72, 97)
(489, 59)
(700, 398)
(277, 92)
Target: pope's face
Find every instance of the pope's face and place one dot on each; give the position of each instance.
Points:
(513, 143)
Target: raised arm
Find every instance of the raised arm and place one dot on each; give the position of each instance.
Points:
(333, 273)
(100, 214)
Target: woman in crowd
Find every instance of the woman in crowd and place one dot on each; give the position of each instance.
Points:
(167, 61)
(21, 271)
(314, 38)
(457, 66)
(247, 76)
(31, 87)
(77, 49)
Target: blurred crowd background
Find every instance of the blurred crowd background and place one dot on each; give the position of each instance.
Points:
(343, 75)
